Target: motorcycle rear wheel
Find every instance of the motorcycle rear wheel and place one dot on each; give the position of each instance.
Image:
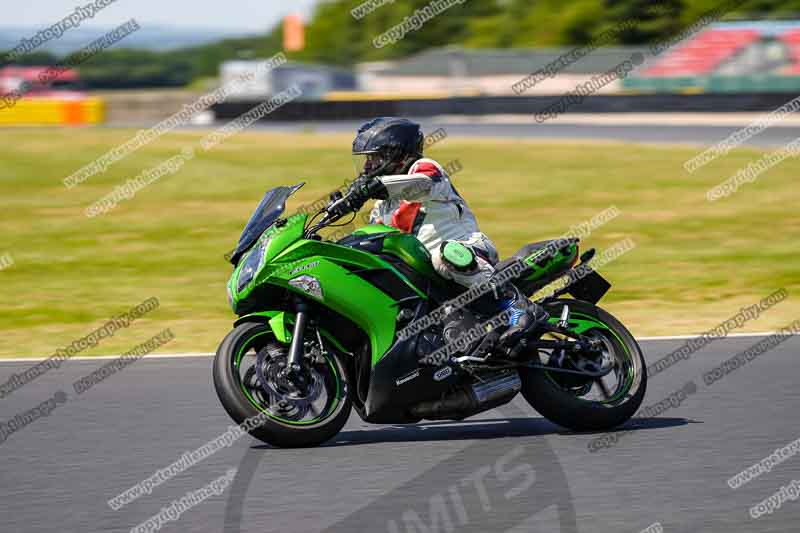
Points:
(562, 398)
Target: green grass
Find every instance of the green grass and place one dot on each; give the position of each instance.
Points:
(694, 265)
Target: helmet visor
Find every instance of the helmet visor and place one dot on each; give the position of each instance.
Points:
(367, 163)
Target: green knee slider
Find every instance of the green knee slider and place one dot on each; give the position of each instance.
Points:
(458, 256)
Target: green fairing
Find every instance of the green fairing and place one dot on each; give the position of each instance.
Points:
(279, 238)
(288, 256)
(403, 245)
(278, 325)
(347, 294)
(283, 237)
(278, 322)
(558, 262)
(411, 250)
(374, 229)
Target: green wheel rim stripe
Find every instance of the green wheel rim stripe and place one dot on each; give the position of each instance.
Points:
(260, 408)
(587, 319)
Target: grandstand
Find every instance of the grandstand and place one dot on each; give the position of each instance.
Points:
(745, 56)
(459, 71)
(791, 39)
(704, 53)
(741, 56)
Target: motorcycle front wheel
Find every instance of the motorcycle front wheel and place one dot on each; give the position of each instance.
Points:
(250, 380)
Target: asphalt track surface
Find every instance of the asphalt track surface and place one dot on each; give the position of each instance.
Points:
(640, 133)
(508, 470)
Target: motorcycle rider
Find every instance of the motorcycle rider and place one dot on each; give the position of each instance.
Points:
(415, 195)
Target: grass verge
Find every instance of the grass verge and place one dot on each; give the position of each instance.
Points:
(695, 263)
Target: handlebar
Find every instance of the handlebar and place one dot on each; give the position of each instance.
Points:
(339, 201)
(338, 207)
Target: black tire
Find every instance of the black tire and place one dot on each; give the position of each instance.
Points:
(562, 406)
(228, 384)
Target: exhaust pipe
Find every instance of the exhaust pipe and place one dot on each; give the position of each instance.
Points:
(494, 391)
(497, 388)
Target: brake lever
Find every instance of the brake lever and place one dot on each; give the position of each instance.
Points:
(334, 207)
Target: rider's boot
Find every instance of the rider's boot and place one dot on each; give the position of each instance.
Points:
(524, 315)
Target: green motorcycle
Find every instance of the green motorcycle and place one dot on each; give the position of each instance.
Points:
(365, 322)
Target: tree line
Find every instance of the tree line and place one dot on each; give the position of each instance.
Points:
(334, 36)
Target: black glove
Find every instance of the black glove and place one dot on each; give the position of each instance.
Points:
(357, 193)
(362, 189)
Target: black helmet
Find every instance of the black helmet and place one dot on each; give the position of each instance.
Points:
(387, 145)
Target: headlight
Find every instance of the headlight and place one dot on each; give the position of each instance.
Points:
(230, 294)
(308, 284)
(251, 266)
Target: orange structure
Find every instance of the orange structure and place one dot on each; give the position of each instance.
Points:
(294, 33)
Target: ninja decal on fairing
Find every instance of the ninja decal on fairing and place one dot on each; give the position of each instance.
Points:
(307, 266)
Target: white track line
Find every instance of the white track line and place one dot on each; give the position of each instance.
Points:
(103, 357)
(202, 354)
(684, 337)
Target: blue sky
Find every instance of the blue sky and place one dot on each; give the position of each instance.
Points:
(231, 15)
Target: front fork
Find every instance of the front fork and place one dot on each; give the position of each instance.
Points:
(297, 350)
(297, 371)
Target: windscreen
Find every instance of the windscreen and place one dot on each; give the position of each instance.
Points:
(268, 211)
